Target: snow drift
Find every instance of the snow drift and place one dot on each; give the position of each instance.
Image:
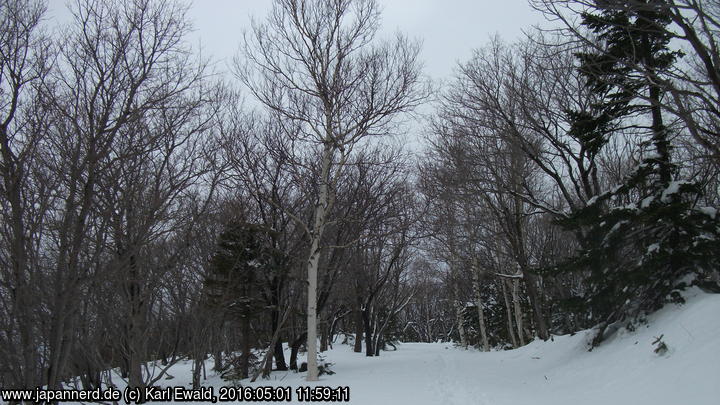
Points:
(674, 358)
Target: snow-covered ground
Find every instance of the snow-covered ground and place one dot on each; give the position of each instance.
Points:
(624, 370)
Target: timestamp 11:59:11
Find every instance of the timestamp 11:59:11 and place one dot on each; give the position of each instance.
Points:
(323, 394)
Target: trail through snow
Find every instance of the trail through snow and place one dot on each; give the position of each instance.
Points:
(625, 370)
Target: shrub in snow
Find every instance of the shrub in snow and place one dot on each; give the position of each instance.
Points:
(234, 370)
(323, 367)
(660, 346)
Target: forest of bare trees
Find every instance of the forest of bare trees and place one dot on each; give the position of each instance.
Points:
(154, 210)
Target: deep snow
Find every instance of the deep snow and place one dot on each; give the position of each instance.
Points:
(624, 370)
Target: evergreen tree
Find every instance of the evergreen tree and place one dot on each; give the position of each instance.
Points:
(639, 240)
(239, 269)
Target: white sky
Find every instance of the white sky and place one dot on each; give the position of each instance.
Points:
(449, 29)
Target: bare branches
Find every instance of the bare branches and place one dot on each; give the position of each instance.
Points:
(107, 157)
(312, 63)
(23, 54)
(315, 64)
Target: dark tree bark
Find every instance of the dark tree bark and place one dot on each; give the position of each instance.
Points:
(358, 331)
(294, 348)
(278, 352)
(246, 347)
(369, 351)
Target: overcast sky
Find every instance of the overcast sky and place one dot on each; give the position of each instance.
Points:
(449, 29)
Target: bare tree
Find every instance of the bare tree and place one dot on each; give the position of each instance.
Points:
(313, 63)
(122, 72)
(23, 192)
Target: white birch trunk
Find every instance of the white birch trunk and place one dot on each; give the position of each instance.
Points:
(314, 260)
(481, 322)
(481, 313)
(518, 310)
(459, 319)
(459, 314)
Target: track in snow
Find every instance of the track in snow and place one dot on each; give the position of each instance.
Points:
(625, 370)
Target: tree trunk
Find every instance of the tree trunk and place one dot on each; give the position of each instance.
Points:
(480, 311)
(197, 367)
(331, 332)
(368, 333)
(135, 378)
(517, 241)
(535, 301)
(245, 358)
(379, 345)
(508, 313)
(278, 349)
(323, 336)
(218, 361)
(280, 364)
(217, 346)
(23, 295)
(272, 347)
(358, 331)
(313, 373)
(459, 317)
(518, 310)
(136, 327)
(314, 260)
(294, 348)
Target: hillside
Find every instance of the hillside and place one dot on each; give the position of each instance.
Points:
(625, 370)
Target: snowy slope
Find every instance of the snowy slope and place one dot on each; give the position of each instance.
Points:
(625, 370)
